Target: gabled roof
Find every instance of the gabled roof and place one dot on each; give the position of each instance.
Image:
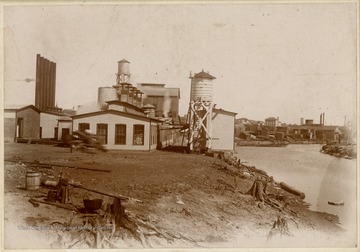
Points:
(115, 112)
(204, 75)
(29, 106)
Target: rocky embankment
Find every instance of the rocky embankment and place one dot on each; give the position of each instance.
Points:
(340, 150)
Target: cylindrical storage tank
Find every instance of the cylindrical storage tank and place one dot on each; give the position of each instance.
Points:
(301, 121)
(202, 87)
(107, 94)
(124, 67)
(32, 180)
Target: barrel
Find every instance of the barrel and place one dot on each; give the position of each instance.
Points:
(32, 180)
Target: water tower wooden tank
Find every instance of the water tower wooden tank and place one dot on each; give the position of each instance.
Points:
(200, 110)
(123, 74)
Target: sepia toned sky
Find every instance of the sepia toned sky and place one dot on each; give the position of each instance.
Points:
(282, 60)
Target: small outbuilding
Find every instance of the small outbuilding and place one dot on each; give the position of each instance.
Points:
(223, 131)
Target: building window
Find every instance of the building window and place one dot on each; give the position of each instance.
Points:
(138, 134)
(120, 134)
(83, 127)
(101, 132)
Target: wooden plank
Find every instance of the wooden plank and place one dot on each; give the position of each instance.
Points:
(106, 194)
(58, 165)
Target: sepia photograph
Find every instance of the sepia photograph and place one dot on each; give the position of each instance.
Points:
(180, 125)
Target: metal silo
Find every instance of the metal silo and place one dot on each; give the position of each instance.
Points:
(106, 94)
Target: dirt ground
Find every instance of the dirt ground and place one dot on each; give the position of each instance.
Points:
(188, 201)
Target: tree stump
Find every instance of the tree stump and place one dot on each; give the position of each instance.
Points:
(122, 219)
(258, 190)
(280, 228)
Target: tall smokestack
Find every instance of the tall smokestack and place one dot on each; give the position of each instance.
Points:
(323, 119)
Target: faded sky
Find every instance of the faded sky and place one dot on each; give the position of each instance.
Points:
(282, 60)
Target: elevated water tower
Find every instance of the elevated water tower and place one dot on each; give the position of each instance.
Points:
(123, 87)
(200, 110)
(123, 74)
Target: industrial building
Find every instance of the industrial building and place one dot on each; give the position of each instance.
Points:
(165, 100)
(126, 117)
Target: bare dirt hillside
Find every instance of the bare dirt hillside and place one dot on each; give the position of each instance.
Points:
(176, 201)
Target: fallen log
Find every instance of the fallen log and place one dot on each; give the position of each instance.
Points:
(47, 165)
(106, 194)
(292, 190)
(336, 203)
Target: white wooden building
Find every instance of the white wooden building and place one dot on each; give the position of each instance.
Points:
(119, 130)
(223, 131)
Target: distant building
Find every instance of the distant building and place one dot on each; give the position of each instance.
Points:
(272, 122)
(165, 100)
(315, 132)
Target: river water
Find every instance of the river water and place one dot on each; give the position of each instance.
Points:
(320, 176)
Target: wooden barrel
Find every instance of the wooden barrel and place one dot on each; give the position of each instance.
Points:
(32, 180)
